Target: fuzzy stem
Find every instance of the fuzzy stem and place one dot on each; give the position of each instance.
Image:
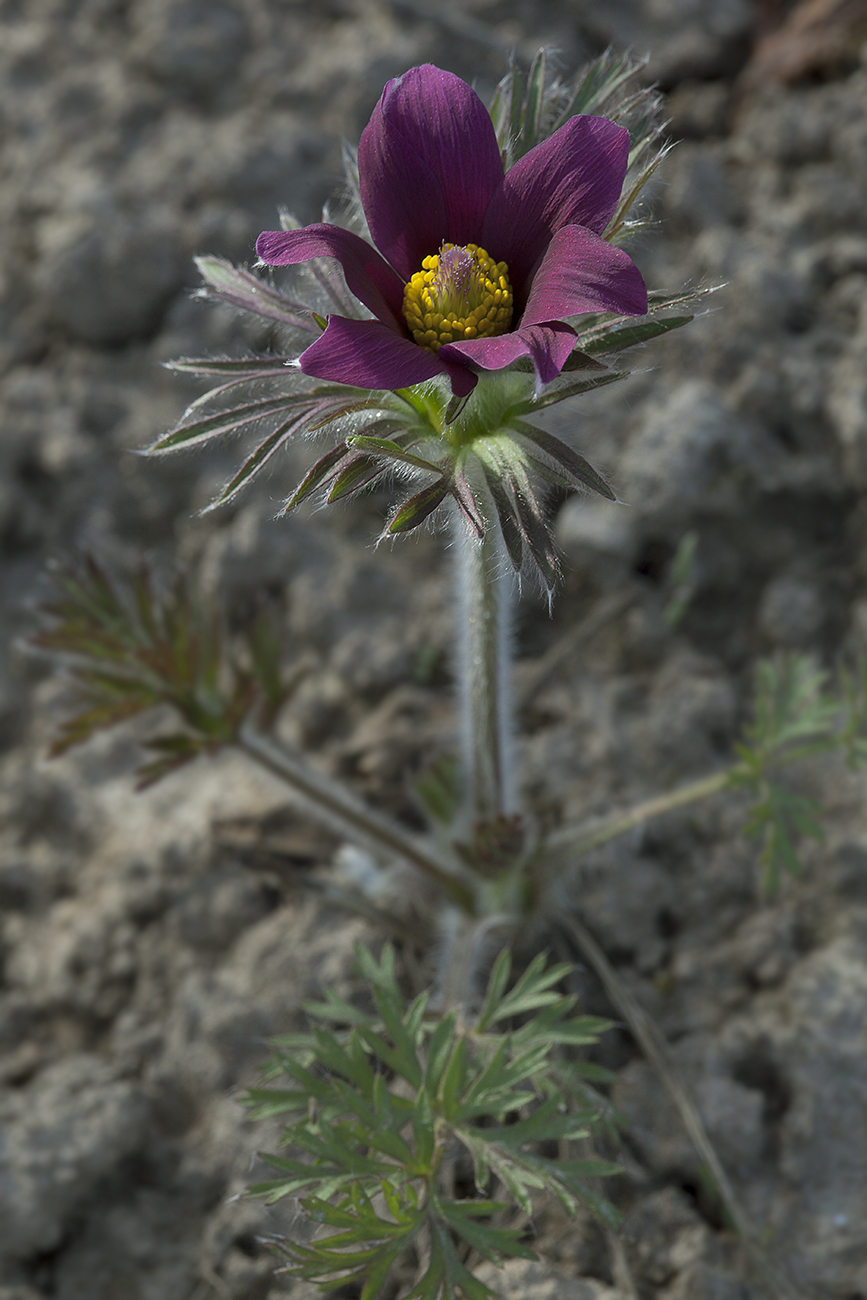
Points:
(334, 805)
(463, 962)
(484, 663)
(583, 839)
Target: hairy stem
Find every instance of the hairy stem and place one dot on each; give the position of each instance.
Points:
(583, 839)
(464, 958)
(335, 806)
(484, 663)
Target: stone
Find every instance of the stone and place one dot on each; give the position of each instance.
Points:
(791, 611)
(61, 1139)
(522, 1279)
(733, 1114)
(660, 1232)
(599, 539)
(689, 449)
(194, 47)
(699, 195)
(847, 407)
(688, 39)
(108, 277)
(704, 1282)
(823, 1133)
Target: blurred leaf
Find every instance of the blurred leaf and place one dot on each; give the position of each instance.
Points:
(794, 718)
(128, 651)
(681, 579)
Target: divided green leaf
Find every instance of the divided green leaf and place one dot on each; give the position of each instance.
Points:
(376, 1112)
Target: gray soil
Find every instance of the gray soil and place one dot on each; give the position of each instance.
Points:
(151, 943)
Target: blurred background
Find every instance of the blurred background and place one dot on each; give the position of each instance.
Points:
(150, 943)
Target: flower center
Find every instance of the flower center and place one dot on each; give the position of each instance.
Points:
(460, 293)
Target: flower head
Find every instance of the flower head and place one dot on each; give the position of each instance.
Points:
(472, 268)
(490, 235)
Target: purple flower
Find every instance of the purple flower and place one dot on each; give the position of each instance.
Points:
(475, 268)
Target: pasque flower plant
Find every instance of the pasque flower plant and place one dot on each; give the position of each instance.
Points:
(484, 247)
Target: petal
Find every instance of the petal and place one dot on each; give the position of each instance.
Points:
(369, 277)
(369, 354)
(428, 163)
(573, 178)
(580, 273)
(548, 346)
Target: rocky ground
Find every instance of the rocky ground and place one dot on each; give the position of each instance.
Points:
(150, 943)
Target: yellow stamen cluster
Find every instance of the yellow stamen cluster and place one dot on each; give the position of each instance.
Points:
(460, 293)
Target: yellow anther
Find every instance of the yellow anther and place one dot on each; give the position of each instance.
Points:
(458, 293)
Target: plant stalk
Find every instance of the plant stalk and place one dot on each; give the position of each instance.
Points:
(464, 958)
(583, 839)
(335, 806)
(483, 669)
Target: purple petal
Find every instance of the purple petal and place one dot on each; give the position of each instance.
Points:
(548, 346)
(428, 163)
(581, 273)
(573, 178)
(369, 354)
(369, 277)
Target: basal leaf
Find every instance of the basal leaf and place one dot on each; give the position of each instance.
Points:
(357, 472)
(559, 392)
(506, 515)
(317, 474)
(497, 982)
(239, 367)
(391, 450)
(453, 1080)
(438, 1050)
